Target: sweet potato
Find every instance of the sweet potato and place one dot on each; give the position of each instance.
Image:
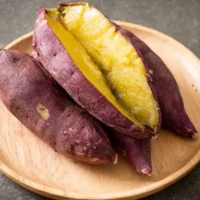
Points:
(46, 109)
(137, 152)
(96, 33)
(67, 61)
(174, 115)
(122, 67)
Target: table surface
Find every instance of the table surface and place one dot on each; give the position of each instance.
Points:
(179, 19)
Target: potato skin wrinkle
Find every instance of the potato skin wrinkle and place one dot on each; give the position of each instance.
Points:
(44, 107)
(56, 60)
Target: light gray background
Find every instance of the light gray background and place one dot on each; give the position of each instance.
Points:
(177, 18)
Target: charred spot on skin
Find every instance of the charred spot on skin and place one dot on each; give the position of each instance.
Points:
(72, 73)
(42, 111)
(63, 5)
(36, 122)
(15, 60)
(116, 29)
(61, 9)
(17, 108)
(55, 54)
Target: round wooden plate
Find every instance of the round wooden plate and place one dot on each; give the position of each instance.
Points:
(31, 163)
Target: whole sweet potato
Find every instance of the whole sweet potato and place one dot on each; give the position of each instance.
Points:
(137, 152)
(50, 48)
(174, 115)
(46, 109)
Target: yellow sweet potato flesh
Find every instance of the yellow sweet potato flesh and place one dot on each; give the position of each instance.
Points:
(85, 64)
(116, 58)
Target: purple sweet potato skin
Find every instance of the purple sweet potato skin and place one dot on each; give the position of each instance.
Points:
(68, 129)
(137, 152)
(55, 59)
(174, 116)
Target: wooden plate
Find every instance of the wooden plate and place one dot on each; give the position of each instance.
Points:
(31, 163)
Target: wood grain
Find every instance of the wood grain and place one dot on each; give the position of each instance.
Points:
(31, 163)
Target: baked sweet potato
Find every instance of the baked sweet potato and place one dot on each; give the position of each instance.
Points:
(174, 115)
(137, 152)
(46, 109)
(121, 65)
(96, 33)
(68, 62)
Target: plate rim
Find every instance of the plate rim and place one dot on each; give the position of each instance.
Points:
(135, 193)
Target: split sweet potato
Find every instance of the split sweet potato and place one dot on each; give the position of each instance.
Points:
(119, 62)
(46, 109)
(116, 51)
(68, 62)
